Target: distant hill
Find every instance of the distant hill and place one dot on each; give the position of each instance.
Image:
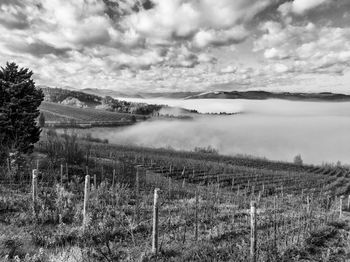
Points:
(108, 92)
(60, 115)
(112, 93)
(59, 95)
(175, 95)
(100, 100)
(261, 95)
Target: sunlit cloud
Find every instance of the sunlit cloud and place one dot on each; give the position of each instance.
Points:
(182, 45)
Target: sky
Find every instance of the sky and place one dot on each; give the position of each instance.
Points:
(180, 45)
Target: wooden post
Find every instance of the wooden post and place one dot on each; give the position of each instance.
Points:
(34, 189)
(341, 207)
(275, 223)
(183, 172)
(184, 183)
(348, 205)
(61, 174)
(102, 173)
(307, 204)
(232, 183)
(95, 182)
(8, 164)
(169, 187)
(253, 234)
(155, 223)
(86, 200)
(137, 181)
(67, 174)
(263, 189)
(137, 194)
(282, 191)
(196, 217)
(113, 178)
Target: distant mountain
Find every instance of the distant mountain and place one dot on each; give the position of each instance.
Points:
(108, 92)
(175, 95)
(262, 95)
(115, 94)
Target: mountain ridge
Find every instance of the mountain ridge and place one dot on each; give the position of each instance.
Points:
(263, 95)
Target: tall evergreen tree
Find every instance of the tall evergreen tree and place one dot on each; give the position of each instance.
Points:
(19, 102)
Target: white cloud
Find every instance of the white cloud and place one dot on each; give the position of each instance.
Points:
(170, 44)
(309, 47)
(228, 69)
(300, 7)
(206, 38)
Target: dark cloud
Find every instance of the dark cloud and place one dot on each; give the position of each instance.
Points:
(38, 49)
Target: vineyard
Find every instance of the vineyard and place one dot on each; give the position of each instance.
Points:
(56, 114)
(208, 208)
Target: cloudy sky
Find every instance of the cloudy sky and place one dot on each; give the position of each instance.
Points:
(180, 45)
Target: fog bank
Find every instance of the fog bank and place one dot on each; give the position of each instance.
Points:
(274, 129)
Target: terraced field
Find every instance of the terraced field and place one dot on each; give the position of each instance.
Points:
(60, 114)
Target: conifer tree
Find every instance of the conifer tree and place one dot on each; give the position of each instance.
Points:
(19, 102)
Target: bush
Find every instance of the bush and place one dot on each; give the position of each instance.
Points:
(298, 160)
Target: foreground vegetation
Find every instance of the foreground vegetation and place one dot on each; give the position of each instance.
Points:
(203, 211)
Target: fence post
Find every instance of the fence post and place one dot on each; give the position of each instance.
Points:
(348, 205)
(113, 178)
(307, 204)
(137, 181)
(137, 193)
(61, 174)
(341, 207)
(253, 234)
(263, 189)
(282, 191)
(169, 187)
(67, 171)
(275, 224)
(86, 200)
(95, 182)
(155, 223)
(34, 189)
(196, 217)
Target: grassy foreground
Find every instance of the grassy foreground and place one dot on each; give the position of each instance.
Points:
(204, 208)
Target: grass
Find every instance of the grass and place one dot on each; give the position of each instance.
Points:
(120, 220)
(59, 114)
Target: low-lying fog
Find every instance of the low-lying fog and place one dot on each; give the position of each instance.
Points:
(275, 129)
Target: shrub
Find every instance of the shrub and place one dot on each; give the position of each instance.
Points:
(298, 160)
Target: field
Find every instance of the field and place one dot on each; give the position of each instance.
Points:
(204, 208)
(63, 115)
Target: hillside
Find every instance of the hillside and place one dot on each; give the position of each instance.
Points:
(59, 115)
(261, 95)
(102, 101)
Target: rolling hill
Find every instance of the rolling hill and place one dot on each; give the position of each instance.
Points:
(262, 95)
(59, 115)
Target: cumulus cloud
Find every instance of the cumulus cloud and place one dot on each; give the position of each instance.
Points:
(309, 47)
(300, 7)
(234, 35)
(171, 44)
(228, 69)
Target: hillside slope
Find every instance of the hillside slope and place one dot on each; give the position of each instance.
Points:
(260, 95)
(65, 115)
